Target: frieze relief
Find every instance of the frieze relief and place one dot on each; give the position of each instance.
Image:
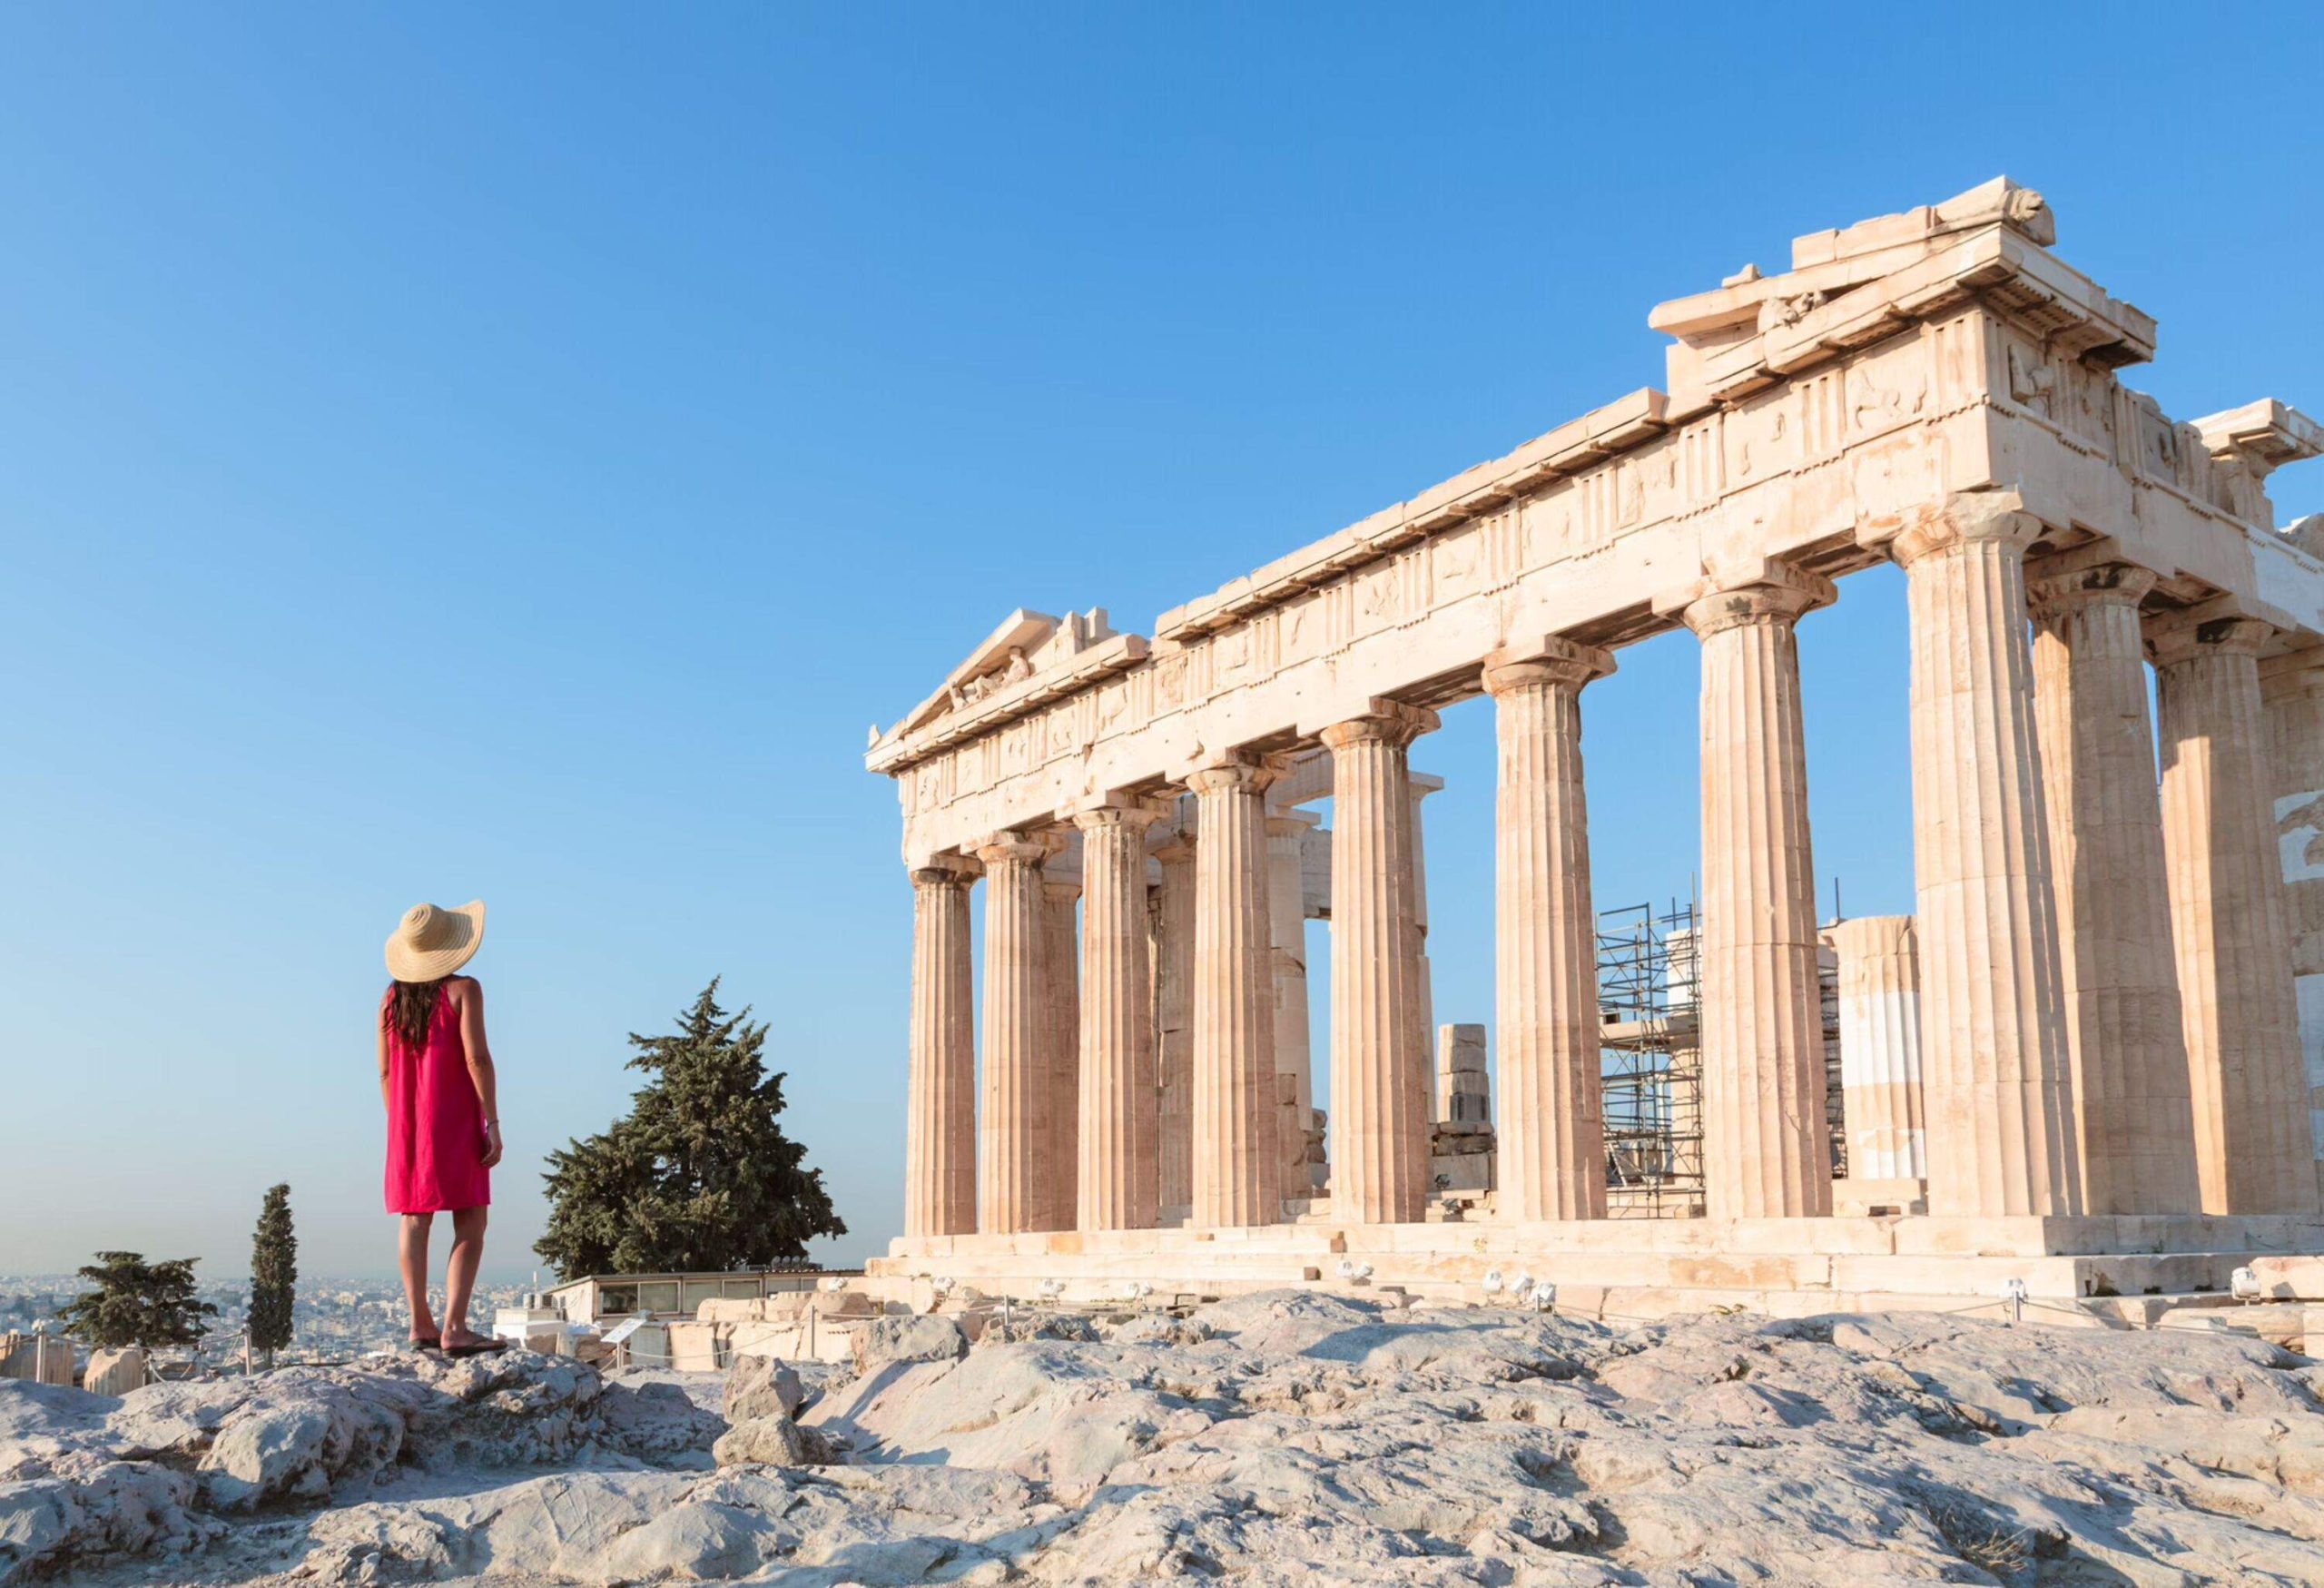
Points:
(1113, 699)
(1379, 592)
(2085, 407)
(1303, 627)
(1758, 438)
(1231, 653)
(1662, 482)
(2032, 382)
(1169, 681)
(1456, 562)
(1067, 733)
(1887, 387)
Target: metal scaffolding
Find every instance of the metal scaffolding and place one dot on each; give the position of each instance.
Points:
(1650, 1059)
(1650, 1062)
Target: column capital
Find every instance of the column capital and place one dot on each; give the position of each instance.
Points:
(1236, 769)
(1286, 823)
(1778, 593)
(2214, 628)
(946, 870)
(1014, 849)
(2068, 583)
(1387, 722)
(1135, 815)
(1060, 890)
(1179, 848)
(1551, 660)
(1960, 518)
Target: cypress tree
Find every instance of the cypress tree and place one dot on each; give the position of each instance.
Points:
(698, 1176)
(274, 1275)
(137, 1303)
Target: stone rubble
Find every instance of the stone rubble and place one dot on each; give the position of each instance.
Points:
(1278, 1438)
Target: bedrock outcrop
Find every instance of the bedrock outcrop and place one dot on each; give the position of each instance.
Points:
(1278, 1438)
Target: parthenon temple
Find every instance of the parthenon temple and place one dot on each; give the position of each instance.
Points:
(2086, 1064)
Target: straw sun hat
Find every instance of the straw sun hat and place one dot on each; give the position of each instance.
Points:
(433, 941)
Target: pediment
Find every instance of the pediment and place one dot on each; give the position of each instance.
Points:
(1024, 645)
(1020, 631)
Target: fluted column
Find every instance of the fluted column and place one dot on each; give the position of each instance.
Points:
(940, 1106)
(1119, 1176)
(1380, 1074)
(1061, 1103)
(2255, 1148)
(1237, 1178)
(1551, 1139)
(2119, 984)
(1010, 1190)
(1418, 789)
(1766, 1150)
(1174, 1030)
(2292, 694)
(1997, 1078)
(1880, 1047)
(1287, 926)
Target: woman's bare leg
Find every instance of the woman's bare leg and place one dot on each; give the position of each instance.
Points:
(411, 1256)
(460, 1277)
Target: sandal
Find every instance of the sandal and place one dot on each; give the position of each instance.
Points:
(491, 1344)
(424, 1343)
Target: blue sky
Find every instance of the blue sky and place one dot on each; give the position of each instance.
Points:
(517, 452)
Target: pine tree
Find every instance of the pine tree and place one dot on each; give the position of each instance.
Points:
(274, 1275)
(699, 1176)
(137, 1303)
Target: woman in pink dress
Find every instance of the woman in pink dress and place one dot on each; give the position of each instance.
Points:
(443, 1112)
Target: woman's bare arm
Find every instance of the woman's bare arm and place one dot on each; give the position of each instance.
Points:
(382, 1026)
(480, 1052)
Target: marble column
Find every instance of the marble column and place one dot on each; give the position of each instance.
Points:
(1551, 1136)
(1060, 1111)
(1010, 1192)
(2119, 984)
(1880, 1047)
(1174, 1025)
(1380, 1080)
(941, 1111)
(1238, 1172)
(1119, 1174)
(2254, 1144)
(1287, 926)
(2292, 694)
(1766, 1152)
(1418, 789)
(1997, 1075)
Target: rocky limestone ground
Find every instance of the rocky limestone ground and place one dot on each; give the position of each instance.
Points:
(1278, 1438)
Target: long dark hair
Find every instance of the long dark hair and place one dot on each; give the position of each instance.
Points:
(410, 1006)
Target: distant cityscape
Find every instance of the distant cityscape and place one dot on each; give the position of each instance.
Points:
(335, 1318)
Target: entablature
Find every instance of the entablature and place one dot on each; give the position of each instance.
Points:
(1895, 391)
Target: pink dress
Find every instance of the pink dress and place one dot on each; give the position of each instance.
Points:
(435, 1123)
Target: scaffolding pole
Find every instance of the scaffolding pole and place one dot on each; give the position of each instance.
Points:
(1650, 1063)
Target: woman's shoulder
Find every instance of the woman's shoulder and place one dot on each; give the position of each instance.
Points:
(463, 988)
